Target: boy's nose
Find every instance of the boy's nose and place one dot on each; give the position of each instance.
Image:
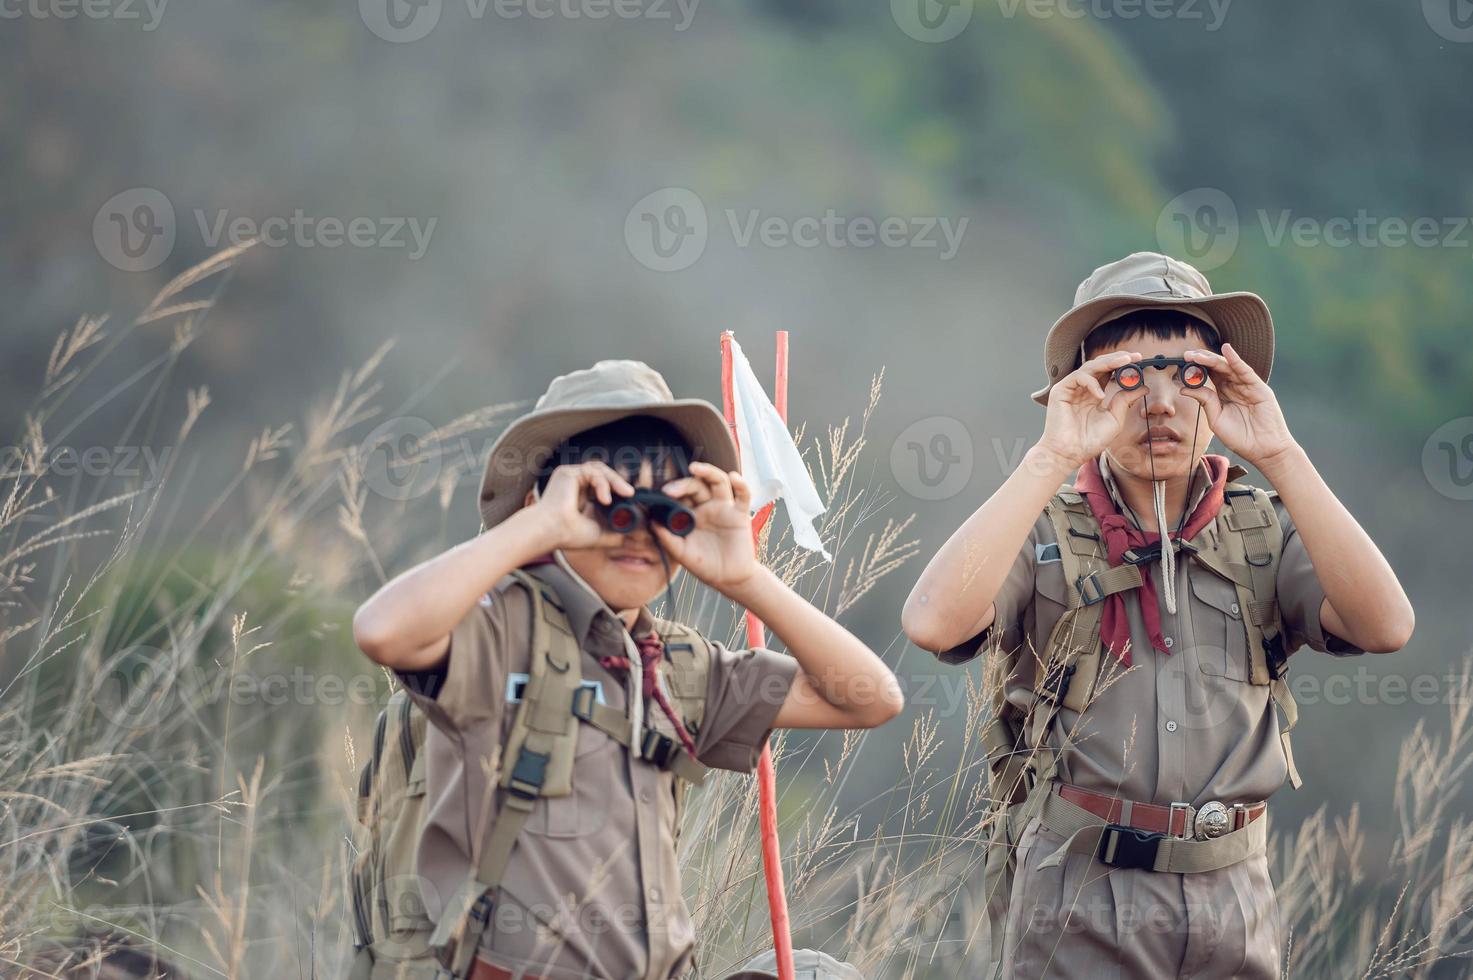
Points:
(1161, 400)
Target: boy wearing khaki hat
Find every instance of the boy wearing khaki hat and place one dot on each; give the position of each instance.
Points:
(1134, 739)
(566, 719)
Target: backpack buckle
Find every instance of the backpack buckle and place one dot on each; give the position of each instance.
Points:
(1090, 591)
(1128, 847)
(583, 699)
(1056, 682)
(528, 775)
(1274, 656)
(657, 748)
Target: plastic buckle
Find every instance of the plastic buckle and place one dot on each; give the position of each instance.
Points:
(530, 771)
(1056, 682)
(1139, 556)
(1089, 590)
(657, 748)
(1133, 848)
(1275, 659)
(583, 700)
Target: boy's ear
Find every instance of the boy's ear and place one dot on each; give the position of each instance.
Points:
(530, 498)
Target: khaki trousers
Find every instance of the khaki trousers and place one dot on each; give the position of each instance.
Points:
(1084, 919)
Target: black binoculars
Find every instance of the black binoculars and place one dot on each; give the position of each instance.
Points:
(627, 514)
(1132, 376)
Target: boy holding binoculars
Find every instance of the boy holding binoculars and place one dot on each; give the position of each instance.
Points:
(566, 719)
(1139, 622)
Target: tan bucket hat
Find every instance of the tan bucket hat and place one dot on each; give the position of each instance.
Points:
(585, 399)
(1150, 280)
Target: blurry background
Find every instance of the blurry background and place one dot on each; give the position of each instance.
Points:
(512, 190)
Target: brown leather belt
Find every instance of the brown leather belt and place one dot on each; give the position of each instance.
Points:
(488, 971)
(1211, 819)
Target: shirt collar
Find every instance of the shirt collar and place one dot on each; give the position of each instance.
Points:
(583, 606)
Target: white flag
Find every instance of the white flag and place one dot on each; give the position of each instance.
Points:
(771, 463)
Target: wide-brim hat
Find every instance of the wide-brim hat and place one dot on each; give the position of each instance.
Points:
(586, 399)
(1150, 280)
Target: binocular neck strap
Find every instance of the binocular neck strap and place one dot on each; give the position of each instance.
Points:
(1158, 496)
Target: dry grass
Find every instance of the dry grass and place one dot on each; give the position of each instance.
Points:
(149, 826)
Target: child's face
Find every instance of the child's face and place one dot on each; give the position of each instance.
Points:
(629, 574)
(1158, 431)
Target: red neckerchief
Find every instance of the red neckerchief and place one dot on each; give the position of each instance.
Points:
(1121, 535)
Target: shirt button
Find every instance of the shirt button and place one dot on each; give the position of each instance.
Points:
(654, 894)
(644, 796)
(1171, 726)
(1168, 643)
(1235, 609)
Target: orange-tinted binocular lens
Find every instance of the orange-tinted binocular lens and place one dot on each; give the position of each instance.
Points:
(1132, 376)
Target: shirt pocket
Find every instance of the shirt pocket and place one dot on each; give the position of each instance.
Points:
(1221, 633)
(597, 776)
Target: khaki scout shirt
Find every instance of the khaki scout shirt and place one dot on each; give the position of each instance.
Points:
(1184, 727)
(592, 888)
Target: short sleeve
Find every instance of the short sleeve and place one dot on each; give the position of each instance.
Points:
(1012, 599)
(744, 691)
(1300, 597)
(466, 688)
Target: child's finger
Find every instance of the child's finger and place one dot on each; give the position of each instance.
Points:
(740, 492)
(1121, 402)
(614, 478)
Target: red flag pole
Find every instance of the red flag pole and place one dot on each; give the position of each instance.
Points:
(777, 900)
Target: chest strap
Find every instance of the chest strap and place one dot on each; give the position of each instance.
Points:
(657, 748)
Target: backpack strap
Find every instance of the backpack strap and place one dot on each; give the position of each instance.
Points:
(1251, 542)
(1068, 667)
(541, 749)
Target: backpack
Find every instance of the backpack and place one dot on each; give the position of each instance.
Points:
(1243, 546)
(394, 938)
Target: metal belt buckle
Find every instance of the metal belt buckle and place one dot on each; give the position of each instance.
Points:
(1213, 820)
(1188, 821)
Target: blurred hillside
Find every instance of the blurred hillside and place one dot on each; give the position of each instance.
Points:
(521, 149)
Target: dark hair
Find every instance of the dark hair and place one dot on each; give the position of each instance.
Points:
(1157, 324)
(623, 444)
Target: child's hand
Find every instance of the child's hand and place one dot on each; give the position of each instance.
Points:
(1240, 406)
(567, 504)
(1082, 420)
(719, 551)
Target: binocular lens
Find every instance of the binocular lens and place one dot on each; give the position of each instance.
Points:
(628, 515)
(623, 517)
(1132, 377)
